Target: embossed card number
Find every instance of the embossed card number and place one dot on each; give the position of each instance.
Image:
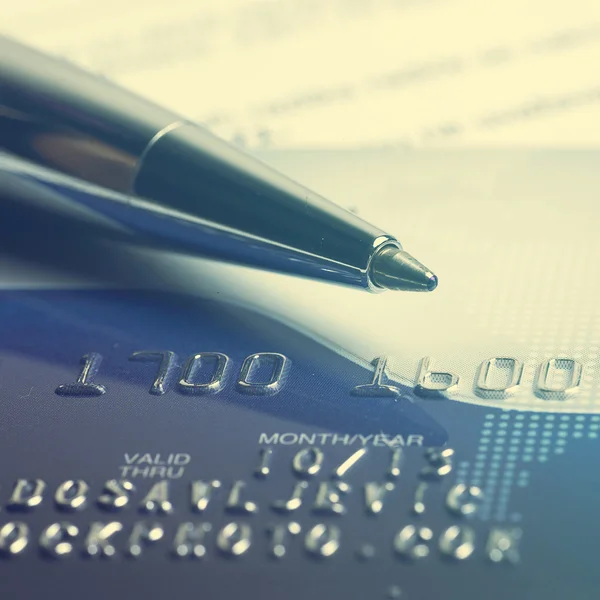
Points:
(265, 373)
(496, 378)
(261, 374)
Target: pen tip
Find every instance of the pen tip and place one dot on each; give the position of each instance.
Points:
(433, 282)
(395, 269)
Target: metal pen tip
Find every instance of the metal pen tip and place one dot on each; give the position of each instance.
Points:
(395, 269)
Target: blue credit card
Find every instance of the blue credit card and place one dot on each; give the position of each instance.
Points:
(156, 445)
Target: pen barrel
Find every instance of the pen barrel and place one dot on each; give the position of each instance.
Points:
(193, 172)
(199, 193)
(62, 117)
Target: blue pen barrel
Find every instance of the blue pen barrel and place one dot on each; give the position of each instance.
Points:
(179, 185)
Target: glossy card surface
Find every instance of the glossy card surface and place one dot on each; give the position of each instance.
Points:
(135, 480)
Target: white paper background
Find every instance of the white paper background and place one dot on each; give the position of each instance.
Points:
(344, 73)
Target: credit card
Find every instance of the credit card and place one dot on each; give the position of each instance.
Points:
(156, 445)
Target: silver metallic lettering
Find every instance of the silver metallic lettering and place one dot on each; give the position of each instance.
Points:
(98, 542)
(343, 469)
(71, 495)
(264, 465)
(167, 361)
(27, 494)
(116, 494)
(434, 384)
(491, 368)
(393, 471)
(503, 545)
(235, 503)
(457, 542)
(157, 500)
(374, 495)
(14, 538)
(279, 369)
(377, 389)
(234, 539)
(142, 535)
(440, 463)
(83, 386)
(189, 540)
(419, 500)
(464, 500)
(549, 384)
(411, 542)
(323, 540)
(295, 500)
(56, 539)
(279, 535)
(308, 462)
(201, 493)
(194, 363)
(328, 498)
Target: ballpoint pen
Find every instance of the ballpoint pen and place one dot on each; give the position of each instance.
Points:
(175, 183)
